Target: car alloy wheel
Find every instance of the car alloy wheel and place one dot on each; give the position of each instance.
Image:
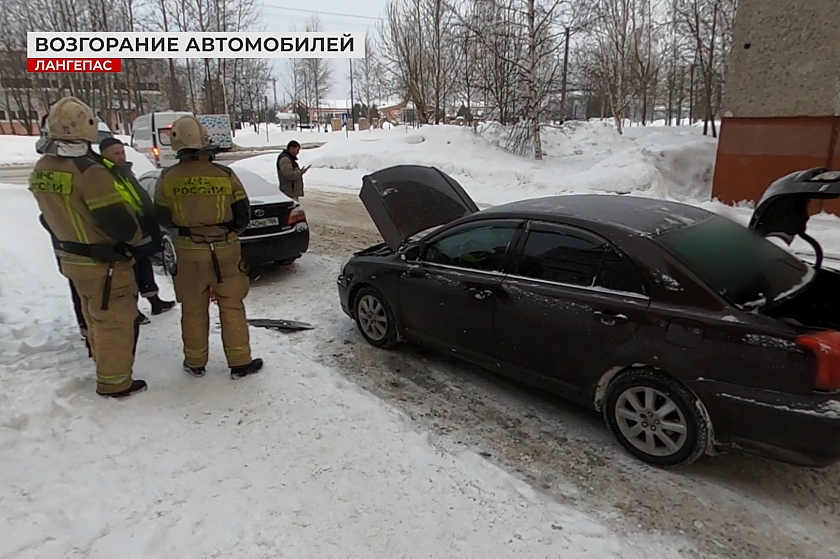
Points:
(656, 418)
(170, 260)
(374, 318)
(651, 421)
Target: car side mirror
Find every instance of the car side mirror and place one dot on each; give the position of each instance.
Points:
(412, 253)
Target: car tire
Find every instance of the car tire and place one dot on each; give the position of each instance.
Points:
(639, 403)
(375, 318)
(168, 256)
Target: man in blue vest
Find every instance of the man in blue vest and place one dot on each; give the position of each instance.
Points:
(113, 153)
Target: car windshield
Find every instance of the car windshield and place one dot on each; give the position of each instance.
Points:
(423, 233)
(739, 264)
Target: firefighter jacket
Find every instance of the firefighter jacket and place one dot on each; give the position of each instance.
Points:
(204, 201)
(90, 222)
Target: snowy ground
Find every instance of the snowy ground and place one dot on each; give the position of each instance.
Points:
(249, 138)
(337, 450)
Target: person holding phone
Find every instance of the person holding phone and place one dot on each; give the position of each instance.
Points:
(289, 172)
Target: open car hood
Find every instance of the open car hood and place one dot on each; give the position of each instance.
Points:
(407, 199)
(782, 210)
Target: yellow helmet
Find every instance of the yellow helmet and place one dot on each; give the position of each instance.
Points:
(71, 119)
(188, 133)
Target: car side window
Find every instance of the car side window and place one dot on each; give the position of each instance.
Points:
(563, 257)
(619, 273)
(481, 247)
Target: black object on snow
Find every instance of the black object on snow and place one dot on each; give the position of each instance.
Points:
(280, 325)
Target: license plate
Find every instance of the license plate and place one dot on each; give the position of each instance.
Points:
(265, 222)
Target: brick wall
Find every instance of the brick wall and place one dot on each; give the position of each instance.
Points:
(17, 128)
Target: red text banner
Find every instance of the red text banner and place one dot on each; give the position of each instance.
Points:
(73, 64)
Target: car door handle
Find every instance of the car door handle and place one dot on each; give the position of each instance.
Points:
(609, 318)
(480, 294)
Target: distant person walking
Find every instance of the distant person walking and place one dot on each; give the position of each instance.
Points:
(289, 172)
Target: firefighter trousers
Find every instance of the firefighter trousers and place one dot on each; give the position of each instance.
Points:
(194, 277)
(113, 332)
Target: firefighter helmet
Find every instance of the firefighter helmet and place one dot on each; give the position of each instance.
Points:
(71, 119)
(188, 133)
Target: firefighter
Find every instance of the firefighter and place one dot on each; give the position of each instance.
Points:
(207, 204)
(95, 233)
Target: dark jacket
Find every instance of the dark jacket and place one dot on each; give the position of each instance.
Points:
(289, 175)
(148, 225)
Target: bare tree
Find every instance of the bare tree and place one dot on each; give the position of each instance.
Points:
(574, 17)
(646, 56)
(709, 23)
(366, 77)
(613, 49)
(316, 73)
(537, 67)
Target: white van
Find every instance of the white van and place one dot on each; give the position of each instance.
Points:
(150, 136)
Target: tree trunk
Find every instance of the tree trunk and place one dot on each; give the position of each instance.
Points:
(532, 111)
(567, 33)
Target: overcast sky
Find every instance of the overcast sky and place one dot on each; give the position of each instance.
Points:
(283, 15)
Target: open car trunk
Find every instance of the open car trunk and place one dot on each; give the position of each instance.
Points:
(817, 306)
(783, 212)
(407, 199)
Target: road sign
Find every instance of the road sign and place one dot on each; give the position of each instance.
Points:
(344, 118)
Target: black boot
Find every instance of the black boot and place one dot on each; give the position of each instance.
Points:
(245, 370)
(142, 318)
(160, 306)
(195, 371)
(136, 387)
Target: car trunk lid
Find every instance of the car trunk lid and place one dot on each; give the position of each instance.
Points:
(269, 215)
(782, 210)
(406, 199)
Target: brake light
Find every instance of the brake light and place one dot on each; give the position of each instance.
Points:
(826, 348)
(297, 215)
(155, 151)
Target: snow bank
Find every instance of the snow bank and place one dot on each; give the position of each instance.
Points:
(17, 150)
(580, 157)
(294, 462)
(20, 150)
(34, 308)
(247, 138)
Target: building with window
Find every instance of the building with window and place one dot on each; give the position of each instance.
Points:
(23, 101)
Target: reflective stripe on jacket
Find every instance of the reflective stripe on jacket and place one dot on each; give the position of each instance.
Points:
(124, 187)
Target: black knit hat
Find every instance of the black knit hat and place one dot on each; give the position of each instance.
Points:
(108, 142)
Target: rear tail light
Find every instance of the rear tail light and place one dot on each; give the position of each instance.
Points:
(156, 151)
(826, 348)
(297, 215)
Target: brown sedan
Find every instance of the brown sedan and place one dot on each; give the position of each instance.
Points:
(689, 332)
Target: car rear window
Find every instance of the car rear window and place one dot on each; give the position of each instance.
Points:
(255, 185)
(738, 263)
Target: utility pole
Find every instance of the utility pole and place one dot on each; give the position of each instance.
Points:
(352, 102)
(266, 118)
(274, 81)
(222, 65)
